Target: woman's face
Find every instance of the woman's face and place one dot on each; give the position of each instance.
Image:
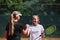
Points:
(18, 18)
(35, 20)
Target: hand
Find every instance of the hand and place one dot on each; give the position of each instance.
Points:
(43, 35)
(27, 25)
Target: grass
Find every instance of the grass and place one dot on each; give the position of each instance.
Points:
(43, 38)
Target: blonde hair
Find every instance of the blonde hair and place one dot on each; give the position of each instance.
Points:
(11, 28)
(16, 12)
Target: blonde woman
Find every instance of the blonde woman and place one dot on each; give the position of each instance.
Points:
(14, 28)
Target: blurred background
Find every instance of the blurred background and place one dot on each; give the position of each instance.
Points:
(48, 11)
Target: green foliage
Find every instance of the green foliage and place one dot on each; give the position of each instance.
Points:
(28, 7)
(1, 1)
(13, 2)
(44, 8)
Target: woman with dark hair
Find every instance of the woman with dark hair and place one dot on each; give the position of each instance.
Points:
(14, 28)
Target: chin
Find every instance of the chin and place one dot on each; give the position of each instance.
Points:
(34, 23)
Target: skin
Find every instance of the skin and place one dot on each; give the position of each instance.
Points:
(23, 31)
(35, 21)
(16, 20)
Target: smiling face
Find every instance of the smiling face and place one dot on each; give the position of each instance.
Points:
(18, 17)
(35, 19)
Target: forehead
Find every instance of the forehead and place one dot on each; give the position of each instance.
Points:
(35, 16)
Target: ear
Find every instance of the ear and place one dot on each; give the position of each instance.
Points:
(39, 21)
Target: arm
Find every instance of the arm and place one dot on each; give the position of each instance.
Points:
(25, 32)
(42, 32)
(43, 35)
(5, 35)
(6, 32)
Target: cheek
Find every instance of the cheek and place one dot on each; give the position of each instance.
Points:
(37, 20)
(33, 20)
(18, 18)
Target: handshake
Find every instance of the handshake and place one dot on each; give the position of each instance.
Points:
(26, 31)
(27, 25)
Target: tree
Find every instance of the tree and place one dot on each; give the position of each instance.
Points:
(8, 5)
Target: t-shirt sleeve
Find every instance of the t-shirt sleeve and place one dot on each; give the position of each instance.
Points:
(42, 29)
(7, 27)
(22, 27)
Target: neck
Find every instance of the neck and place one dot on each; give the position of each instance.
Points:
(35, 24)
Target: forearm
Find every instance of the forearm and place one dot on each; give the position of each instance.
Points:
(25, 31)
(5, 35)
(43, 35)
